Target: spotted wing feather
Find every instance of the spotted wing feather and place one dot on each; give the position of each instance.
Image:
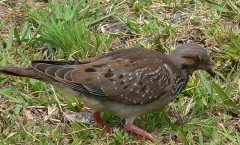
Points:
(123, 76)
(134, 82)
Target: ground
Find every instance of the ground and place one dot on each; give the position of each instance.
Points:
(207, 112)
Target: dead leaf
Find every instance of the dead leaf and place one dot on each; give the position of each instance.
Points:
(28, 114)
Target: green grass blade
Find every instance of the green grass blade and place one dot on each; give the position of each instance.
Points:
(10, 37)
(217, 6)
(16, 34)
(226, 98)
(104, 17)
(25, 31)
(234, 6)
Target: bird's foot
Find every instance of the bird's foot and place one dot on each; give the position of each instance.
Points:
(102, 122)
(108, 129)
(141, 132)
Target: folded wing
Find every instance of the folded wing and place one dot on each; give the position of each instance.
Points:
(115, 75)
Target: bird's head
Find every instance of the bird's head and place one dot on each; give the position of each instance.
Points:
(192, 57)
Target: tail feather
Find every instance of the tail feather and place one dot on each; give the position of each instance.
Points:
(24, 72)
(17, 71)
(5, 72)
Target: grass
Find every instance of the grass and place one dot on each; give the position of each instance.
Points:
(31, 112)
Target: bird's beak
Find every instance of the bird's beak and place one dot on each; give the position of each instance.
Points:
(211, 72)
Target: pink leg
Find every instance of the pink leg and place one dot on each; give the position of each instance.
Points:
(141, 132)
(102, 122)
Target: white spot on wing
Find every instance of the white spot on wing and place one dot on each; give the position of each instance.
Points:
(167, 67)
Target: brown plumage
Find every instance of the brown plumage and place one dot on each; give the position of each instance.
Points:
(127, 83)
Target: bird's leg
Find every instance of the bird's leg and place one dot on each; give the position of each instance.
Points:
(133, 128)
(102, 122)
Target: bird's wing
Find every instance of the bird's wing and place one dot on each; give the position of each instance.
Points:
(137, 78)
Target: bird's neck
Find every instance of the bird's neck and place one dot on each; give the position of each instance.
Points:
(177, 61)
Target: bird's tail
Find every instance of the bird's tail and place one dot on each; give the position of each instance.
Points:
(24, 72)
(17, 71)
